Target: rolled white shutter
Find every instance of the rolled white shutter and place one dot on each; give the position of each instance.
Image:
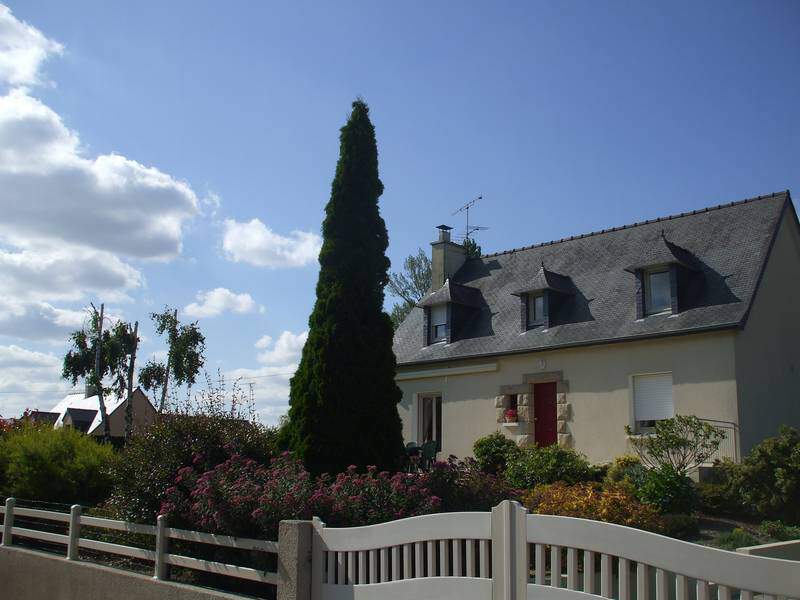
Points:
(652, 395)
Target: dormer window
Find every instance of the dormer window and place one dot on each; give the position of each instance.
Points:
(439, 323)
(536, 314)
(657, 294)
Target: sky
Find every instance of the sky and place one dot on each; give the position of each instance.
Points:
(181, 153)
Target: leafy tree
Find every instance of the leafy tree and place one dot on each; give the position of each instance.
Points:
(95, 363)
(683, 442)
(410, 285)
(343, 397)
(472, 248)
(185, 354)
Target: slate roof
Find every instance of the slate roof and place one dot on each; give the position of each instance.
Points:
(545, 279)
(453, 292)
(727, 244)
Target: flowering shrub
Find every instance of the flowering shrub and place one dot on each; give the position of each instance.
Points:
(239, 495)
(589, 500)
(511, 416)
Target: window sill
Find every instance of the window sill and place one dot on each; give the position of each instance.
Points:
(510, 423)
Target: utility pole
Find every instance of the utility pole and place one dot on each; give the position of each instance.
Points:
(131, 362)
(98, 374)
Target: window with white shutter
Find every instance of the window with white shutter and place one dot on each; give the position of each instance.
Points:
(652, 400)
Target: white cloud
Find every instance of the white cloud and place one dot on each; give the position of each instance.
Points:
(256, 244)
(51, 193)
(270, 389)
(220, 300)
(286, 350)
(38, 321)
(29, 379)
(23, 49)
(65, 273)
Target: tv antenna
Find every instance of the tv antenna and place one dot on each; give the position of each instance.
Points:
(469, 230)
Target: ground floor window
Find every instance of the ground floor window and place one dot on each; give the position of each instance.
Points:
(430, 420)
(652, 400)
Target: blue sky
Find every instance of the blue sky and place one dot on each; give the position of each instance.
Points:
(566, 116)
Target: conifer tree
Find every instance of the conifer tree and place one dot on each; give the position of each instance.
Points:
(343, 398)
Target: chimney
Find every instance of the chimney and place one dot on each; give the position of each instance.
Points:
(89, 390)
(446, 258)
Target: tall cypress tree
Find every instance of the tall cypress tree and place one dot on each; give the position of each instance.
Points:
(343, 399)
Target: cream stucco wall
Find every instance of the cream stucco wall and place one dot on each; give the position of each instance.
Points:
(768, 349)
(598, 380)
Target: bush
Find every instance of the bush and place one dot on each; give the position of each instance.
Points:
(683, 527)
(241, 497)
(683, 442)
(738, 538)
(612, 504)
(716, 499)
(779, 531)
(151, 461)
(668, 490)
(462, 485)
(55, 465)
(626, 470)
(767, 483)
(494, 451)
(536, 466)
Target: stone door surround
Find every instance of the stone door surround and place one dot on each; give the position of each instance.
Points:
(524, 393)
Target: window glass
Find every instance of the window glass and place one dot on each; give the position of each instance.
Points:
(430, 420)
(652, 399)
(439, 322)
(658, 297)
(535, 309)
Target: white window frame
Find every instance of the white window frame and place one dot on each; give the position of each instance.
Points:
(648, 292)
(419, 416)
(445, 325)
(634, 422)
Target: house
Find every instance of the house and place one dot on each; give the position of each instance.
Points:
(82, 411)
(696, 313)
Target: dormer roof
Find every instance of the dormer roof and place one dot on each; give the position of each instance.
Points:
(546, 280)
(663, 252)
(454, 293)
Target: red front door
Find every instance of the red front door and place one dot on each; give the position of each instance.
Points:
(544, 413)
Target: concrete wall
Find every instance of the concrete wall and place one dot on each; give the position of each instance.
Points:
(29, 575)
(768, 349)
(597, 381)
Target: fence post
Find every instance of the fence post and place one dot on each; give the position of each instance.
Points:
(509, 552)
(8, 521)
(74, 532)
(294, 560)
(162, 544)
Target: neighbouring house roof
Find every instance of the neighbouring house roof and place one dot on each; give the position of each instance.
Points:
(452, 292)
(40, 416)
(77, 402)
(80, 418)
(726, 245)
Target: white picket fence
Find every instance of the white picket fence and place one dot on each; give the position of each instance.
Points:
(160, 557)
(509, 554)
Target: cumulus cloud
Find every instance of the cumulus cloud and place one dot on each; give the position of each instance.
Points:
(71, 222)
(286, 350)
(38, 321)
(51, 192)
(256, 244)
(220, 300)
(23, 49)
(28, 379)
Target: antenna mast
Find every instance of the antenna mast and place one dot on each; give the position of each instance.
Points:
(468, 231)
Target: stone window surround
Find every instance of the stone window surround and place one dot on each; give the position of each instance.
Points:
(525, 404)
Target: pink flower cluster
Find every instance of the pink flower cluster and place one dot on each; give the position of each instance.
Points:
(243, 497)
